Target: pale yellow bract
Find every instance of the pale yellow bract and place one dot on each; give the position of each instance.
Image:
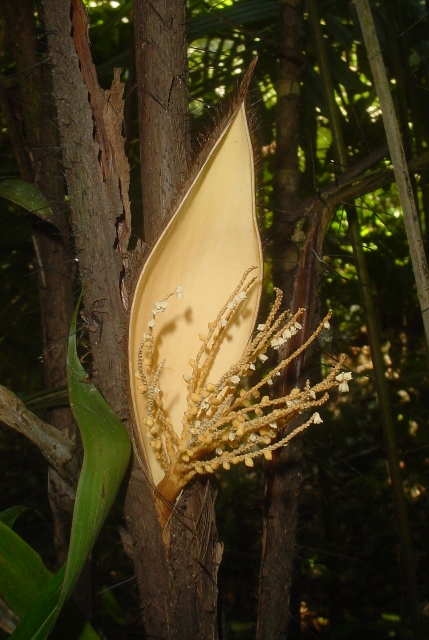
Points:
(193, 349)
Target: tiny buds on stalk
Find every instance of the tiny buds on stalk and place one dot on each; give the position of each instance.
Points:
(224, 424)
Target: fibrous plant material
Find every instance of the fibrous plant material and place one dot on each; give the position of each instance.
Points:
(194, 351)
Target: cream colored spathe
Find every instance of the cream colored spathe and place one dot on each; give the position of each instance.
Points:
(193, 347)
(210, 241)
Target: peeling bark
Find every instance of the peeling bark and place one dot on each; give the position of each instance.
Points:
(177, 584)
(94, 185)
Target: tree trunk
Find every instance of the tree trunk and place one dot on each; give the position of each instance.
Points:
(96, 176)
(162, 84)
(178, 584)
(284, 474)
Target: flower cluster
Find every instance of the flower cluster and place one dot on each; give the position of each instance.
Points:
(233, 419)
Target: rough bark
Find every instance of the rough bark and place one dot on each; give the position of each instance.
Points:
(95, 180)
(161, 62)
(178, 588)
(96, 173)
(286, 170)
(174, 588)
(284, 474)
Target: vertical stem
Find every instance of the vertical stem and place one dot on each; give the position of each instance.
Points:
(411, 220)
(161, 62)
(178, 582)
(408, 562)
(284, 476)
(286, 176)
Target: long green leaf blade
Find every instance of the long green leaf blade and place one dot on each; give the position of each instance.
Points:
(23, 576)
(26, 195)
(107, 450)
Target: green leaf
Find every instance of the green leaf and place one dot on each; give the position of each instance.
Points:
(107, 450)
(47, 399)
(22, 578)
(219, 20)
(27, 196)
(9, 516)
(22, 572)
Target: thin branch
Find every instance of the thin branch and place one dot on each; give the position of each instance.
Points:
(54, 445)
(354, 183)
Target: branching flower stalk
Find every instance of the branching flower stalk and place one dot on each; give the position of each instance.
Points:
(233, 419)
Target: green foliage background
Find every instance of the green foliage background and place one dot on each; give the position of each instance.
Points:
(347, 578)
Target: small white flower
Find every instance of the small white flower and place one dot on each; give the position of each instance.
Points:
(316, 418)
(273, 425)
(343, 378)
(312, 394)
(326, 325)
(231, 436)
(240, 296)
(261, 327)
(276, 343)
(262, 357)
(234, 379)
(253, 437)
(151, 323)
(179, 291)
(252, 367)
(219, 451)
(160, 307)
(223, 322)
(297, 325)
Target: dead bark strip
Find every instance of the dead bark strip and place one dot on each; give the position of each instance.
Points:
(94, 186)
